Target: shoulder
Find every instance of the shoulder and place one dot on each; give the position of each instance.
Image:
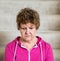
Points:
(12, 43)
(44, 43)
(47, 45)
(47, 48)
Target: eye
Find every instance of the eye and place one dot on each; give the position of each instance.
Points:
(23, 28)
(31, 28)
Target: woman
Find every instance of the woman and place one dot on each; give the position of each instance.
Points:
(28, 46)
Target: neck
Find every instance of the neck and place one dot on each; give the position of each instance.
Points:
(29, 44)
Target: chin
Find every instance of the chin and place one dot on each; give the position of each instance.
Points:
(28, 39)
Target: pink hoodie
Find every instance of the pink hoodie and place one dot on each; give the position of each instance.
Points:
(42, 51)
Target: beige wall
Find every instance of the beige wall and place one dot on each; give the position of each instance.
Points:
(50, 22)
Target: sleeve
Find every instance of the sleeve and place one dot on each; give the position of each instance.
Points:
(8, 56)
(49, 56)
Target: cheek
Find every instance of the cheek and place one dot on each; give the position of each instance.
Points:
(22, 33)
(34, 32)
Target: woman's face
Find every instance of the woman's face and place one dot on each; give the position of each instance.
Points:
(27, 31)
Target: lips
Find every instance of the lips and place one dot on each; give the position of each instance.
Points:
(27, 36)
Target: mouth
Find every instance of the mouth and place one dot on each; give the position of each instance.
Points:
(28, 36)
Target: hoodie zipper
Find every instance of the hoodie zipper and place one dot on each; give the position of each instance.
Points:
(29, 55)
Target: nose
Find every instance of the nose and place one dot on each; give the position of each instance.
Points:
(27, 31)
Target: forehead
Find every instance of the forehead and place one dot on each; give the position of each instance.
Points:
(27, 25)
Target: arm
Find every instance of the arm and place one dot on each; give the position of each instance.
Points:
(8, 56)
(49, 56)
